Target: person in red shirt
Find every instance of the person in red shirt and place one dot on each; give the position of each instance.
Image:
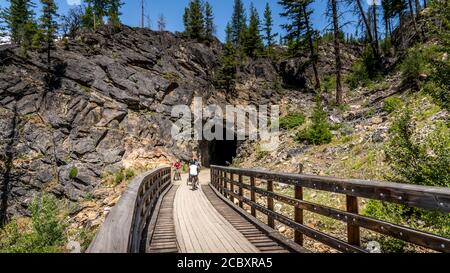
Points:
(177, 167)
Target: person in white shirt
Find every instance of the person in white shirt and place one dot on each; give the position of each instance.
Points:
(193, 170)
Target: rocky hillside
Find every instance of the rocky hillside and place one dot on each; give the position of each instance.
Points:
(105, 108)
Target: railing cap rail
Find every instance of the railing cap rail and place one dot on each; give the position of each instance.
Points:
(427, 197)
(114, 233)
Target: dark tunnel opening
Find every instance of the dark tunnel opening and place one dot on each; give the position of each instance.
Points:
(218, 152)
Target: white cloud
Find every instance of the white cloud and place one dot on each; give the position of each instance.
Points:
(73, 2)
(374, 2)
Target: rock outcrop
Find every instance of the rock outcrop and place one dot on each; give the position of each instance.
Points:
(107, 105)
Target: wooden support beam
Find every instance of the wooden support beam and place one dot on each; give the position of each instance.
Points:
(241, 192)
(270, 206)
(353, 232)
(253, 195)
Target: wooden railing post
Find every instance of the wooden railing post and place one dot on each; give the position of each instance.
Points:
(232, 186)
(270, 220)
(298, 215)
(225, 186)
(253, 195)
(220, 181)
(241, 192)
(353, 232)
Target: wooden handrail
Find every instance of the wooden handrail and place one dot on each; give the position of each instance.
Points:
(430, 198)
(124, 227)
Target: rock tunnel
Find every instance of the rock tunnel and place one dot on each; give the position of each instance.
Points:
(218, 152)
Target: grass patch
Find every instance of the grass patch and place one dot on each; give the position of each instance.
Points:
(292, 120)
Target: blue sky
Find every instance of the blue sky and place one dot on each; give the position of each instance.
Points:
(173, 11)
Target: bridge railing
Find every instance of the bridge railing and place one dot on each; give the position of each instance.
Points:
(124, 228)
(232, 182)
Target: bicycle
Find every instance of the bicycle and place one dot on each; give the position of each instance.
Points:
(194, 182)
(176, 175)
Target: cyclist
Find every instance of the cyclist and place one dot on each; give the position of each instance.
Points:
(177, 167)
(193, 173)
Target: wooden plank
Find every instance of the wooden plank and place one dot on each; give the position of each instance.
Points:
(261, 228)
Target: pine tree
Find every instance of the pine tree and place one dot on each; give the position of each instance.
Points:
(269, 36)
(114, 12)
(386, 5)
(19, 18)
(251, 40)
(299, 30)
(209, 21)
(227, 73)
(228, 34)
(197, 21)
(367, 26)
(194, 20)
(48, 25)
(187, 21)
(239, 21)
(96, 10)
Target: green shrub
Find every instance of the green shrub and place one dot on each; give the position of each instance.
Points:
(185, 168)
(418, 163)
(413, 65)
(421, 163)
(46, 233)
(319, 132)
(261, 153)
(119, 177)
(292, 120)
(329, 83)
(392, 104)
(73, 173)
(439, 87)
(365, 70)
(129, 174)
(85, 237)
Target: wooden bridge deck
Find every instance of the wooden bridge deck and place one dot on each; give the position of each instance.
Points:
(159, 216)
(200, 228)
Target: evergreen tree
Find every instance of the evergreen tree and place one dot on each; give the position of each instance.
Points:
(229, 34)
(251, 38)
(227, 73)
(319, 131)
(114, 12)
(209, 21)
(299, 30)
(48, 25)
(386, 5)
(187, 21)
(197, 21)
(194, 20)
(269, 36)
(96, 10)
(19, 18)
(239, 21)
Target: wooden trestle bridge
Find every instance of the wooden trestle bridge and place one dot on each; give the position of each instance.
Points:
(157, 215)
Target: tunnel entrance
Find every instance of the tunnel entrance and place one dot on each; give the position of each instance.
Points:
(218, 152)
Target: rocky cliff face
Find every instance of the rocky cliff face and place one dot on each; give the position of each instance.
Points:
(107, 106)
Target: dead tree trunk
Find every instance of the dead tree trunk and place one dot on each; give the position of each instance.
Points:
(311, 48)
(337, 52)
(367, 25)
